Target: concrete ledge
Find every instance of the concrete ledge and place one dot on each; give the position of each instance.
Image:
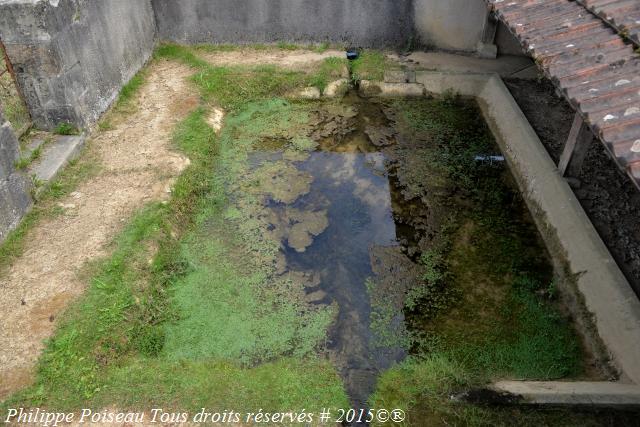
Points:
(579, 393)
(569, 234)
(390, 90)
(56, 155)
(463, 83)
(503, 65)
(581, 259)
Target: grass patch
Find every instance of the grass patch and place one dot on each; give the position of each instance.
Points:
(370, 65)
(288, 46)
(330, 69)
(130, 89)
(322, 47)
(231, 87)
(125, 103)
(24, 161)
(66, 128)
(141, 335)
(78, 170)
(180, 53)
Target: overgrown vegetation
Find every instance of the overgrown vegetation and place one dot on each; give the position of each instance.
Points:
(129, 90)
(232, 87)
(24, 161)
(125, 103)
(330, 69)
(180, 271)
(66, 128)
(46, 200)
(371, 65)
(486, 308)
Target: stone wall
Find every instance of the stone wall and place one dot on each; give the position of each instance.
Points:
(365, 23)
(15, 199)
(71, 57)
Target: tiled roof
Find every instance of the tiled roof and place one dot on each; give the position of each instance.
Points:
(623, 15)
(595, 68)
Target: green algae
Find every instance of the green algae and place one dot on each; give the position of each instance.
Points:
(258, 316)
(282, 181)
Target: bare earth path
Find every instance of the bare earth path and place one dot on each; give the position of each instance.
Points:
(137, 166)
(299, 60)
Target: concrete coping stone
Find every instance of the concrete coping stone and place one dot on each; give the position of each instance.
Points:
(56, 155)
(389, 90)
(572, 393)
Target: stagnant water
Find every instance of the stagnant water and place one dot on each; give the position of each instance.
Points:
(352, 226)
(350, 192)
(354, 187)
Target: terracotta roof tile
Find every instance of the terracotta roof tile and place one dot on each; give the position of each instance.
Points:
(595, 68)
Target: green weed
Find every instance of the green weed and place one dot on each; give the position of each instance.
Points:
(288, 46)
(322, 47)
(24, 161)
(330, 69)
(179, 53)
(370, 65)
(66, 128)
(130, 89)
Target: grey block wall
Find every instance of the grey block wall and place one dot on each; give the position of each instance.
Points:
(455, 25)
(365, 23)
(15, 199)
(71, 57)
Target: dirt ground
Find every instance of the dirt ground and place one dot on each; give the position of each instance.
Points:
(300, 60)
(137, 165)
(609, 198)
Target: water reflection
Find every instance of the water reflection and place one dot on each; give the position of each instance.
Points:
(354, 191)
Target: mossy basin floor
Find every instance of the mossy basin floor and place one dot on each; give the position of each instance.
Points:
(370, 221)
(335, 254)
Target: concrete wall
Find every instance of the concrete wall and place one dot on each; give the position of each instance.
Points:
(366, 23)
(507, 43)
(71, 57)
(15, 199)
(450, 24)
